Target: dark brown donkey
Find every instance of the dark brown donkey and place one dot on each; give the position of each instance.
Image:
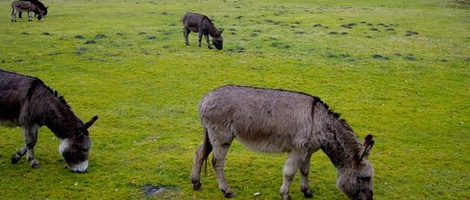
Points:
(38, 4)
(282, 121)
(27, 102)
(203, 25)
(26, 6)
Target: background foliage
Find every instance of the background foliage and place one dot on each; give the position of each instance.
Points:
(396, 69)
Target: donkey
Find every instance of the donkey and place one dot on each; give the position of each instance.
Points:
(27, 102)
(38, 4)
(279, 121)
(25, 6)
(203, 25)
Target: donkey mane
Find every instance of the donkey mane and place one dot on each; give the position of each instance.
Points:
(344, 145)
(38, 83)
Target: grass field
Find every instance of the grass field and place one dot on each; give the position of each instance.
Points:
(399, 70)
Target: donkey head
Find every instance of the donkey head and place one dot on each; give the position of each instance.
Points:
(218, 40)
(40, 15)
(75, 149)
(355, 180)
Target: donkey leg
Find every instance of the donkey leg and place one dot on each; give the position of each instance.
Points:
(290, 167)
(17, 156)
(13, 15)
(30, 18)
(197, 165)
(31, 137)
(19, 15)
(221, 141)
(186, 32)
(200, 38)
(304, 170)
(218, 162)
(207, 40)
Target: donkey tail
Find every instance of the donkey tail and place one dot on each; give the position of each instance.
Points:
(207, 149)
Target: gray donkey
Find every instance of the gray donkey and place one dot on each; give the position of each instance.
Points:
(282, 121)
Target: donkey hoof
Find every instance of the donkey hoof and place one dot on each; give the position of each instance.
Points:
(228, 193)
(308, 193)
(285, 196)
(35, 166)
(197, 186)
(14, 159)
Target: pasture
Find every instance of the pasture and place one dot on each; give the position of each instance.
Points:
(399, 70)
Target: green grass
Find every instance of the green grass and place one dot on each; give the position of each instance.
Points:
(411, 92)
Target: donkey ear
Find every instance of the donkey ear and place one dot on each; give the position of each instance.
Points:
(220, 31)
(367, 139)
(89, 123)
(367, 145)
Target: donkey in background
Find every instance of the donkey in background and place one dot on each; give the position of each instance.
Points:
(25, 6)
(203, 25)
(282, 121)
(38, 4)
(27, 102)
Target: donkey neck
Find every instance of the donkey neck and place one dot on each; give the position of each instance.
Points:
(54, 112)
(213, 32)
(339, 143)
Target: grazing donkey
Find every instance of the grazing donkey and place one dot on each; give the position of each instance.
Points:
(282, 121)
(203, 25)
(25, 6)
(27, 102)
(38, 4)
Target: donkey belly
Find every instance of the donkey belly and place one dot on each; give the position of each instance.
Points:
(10, 107)
(275, 137)
(8, 116)
(269, 144)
